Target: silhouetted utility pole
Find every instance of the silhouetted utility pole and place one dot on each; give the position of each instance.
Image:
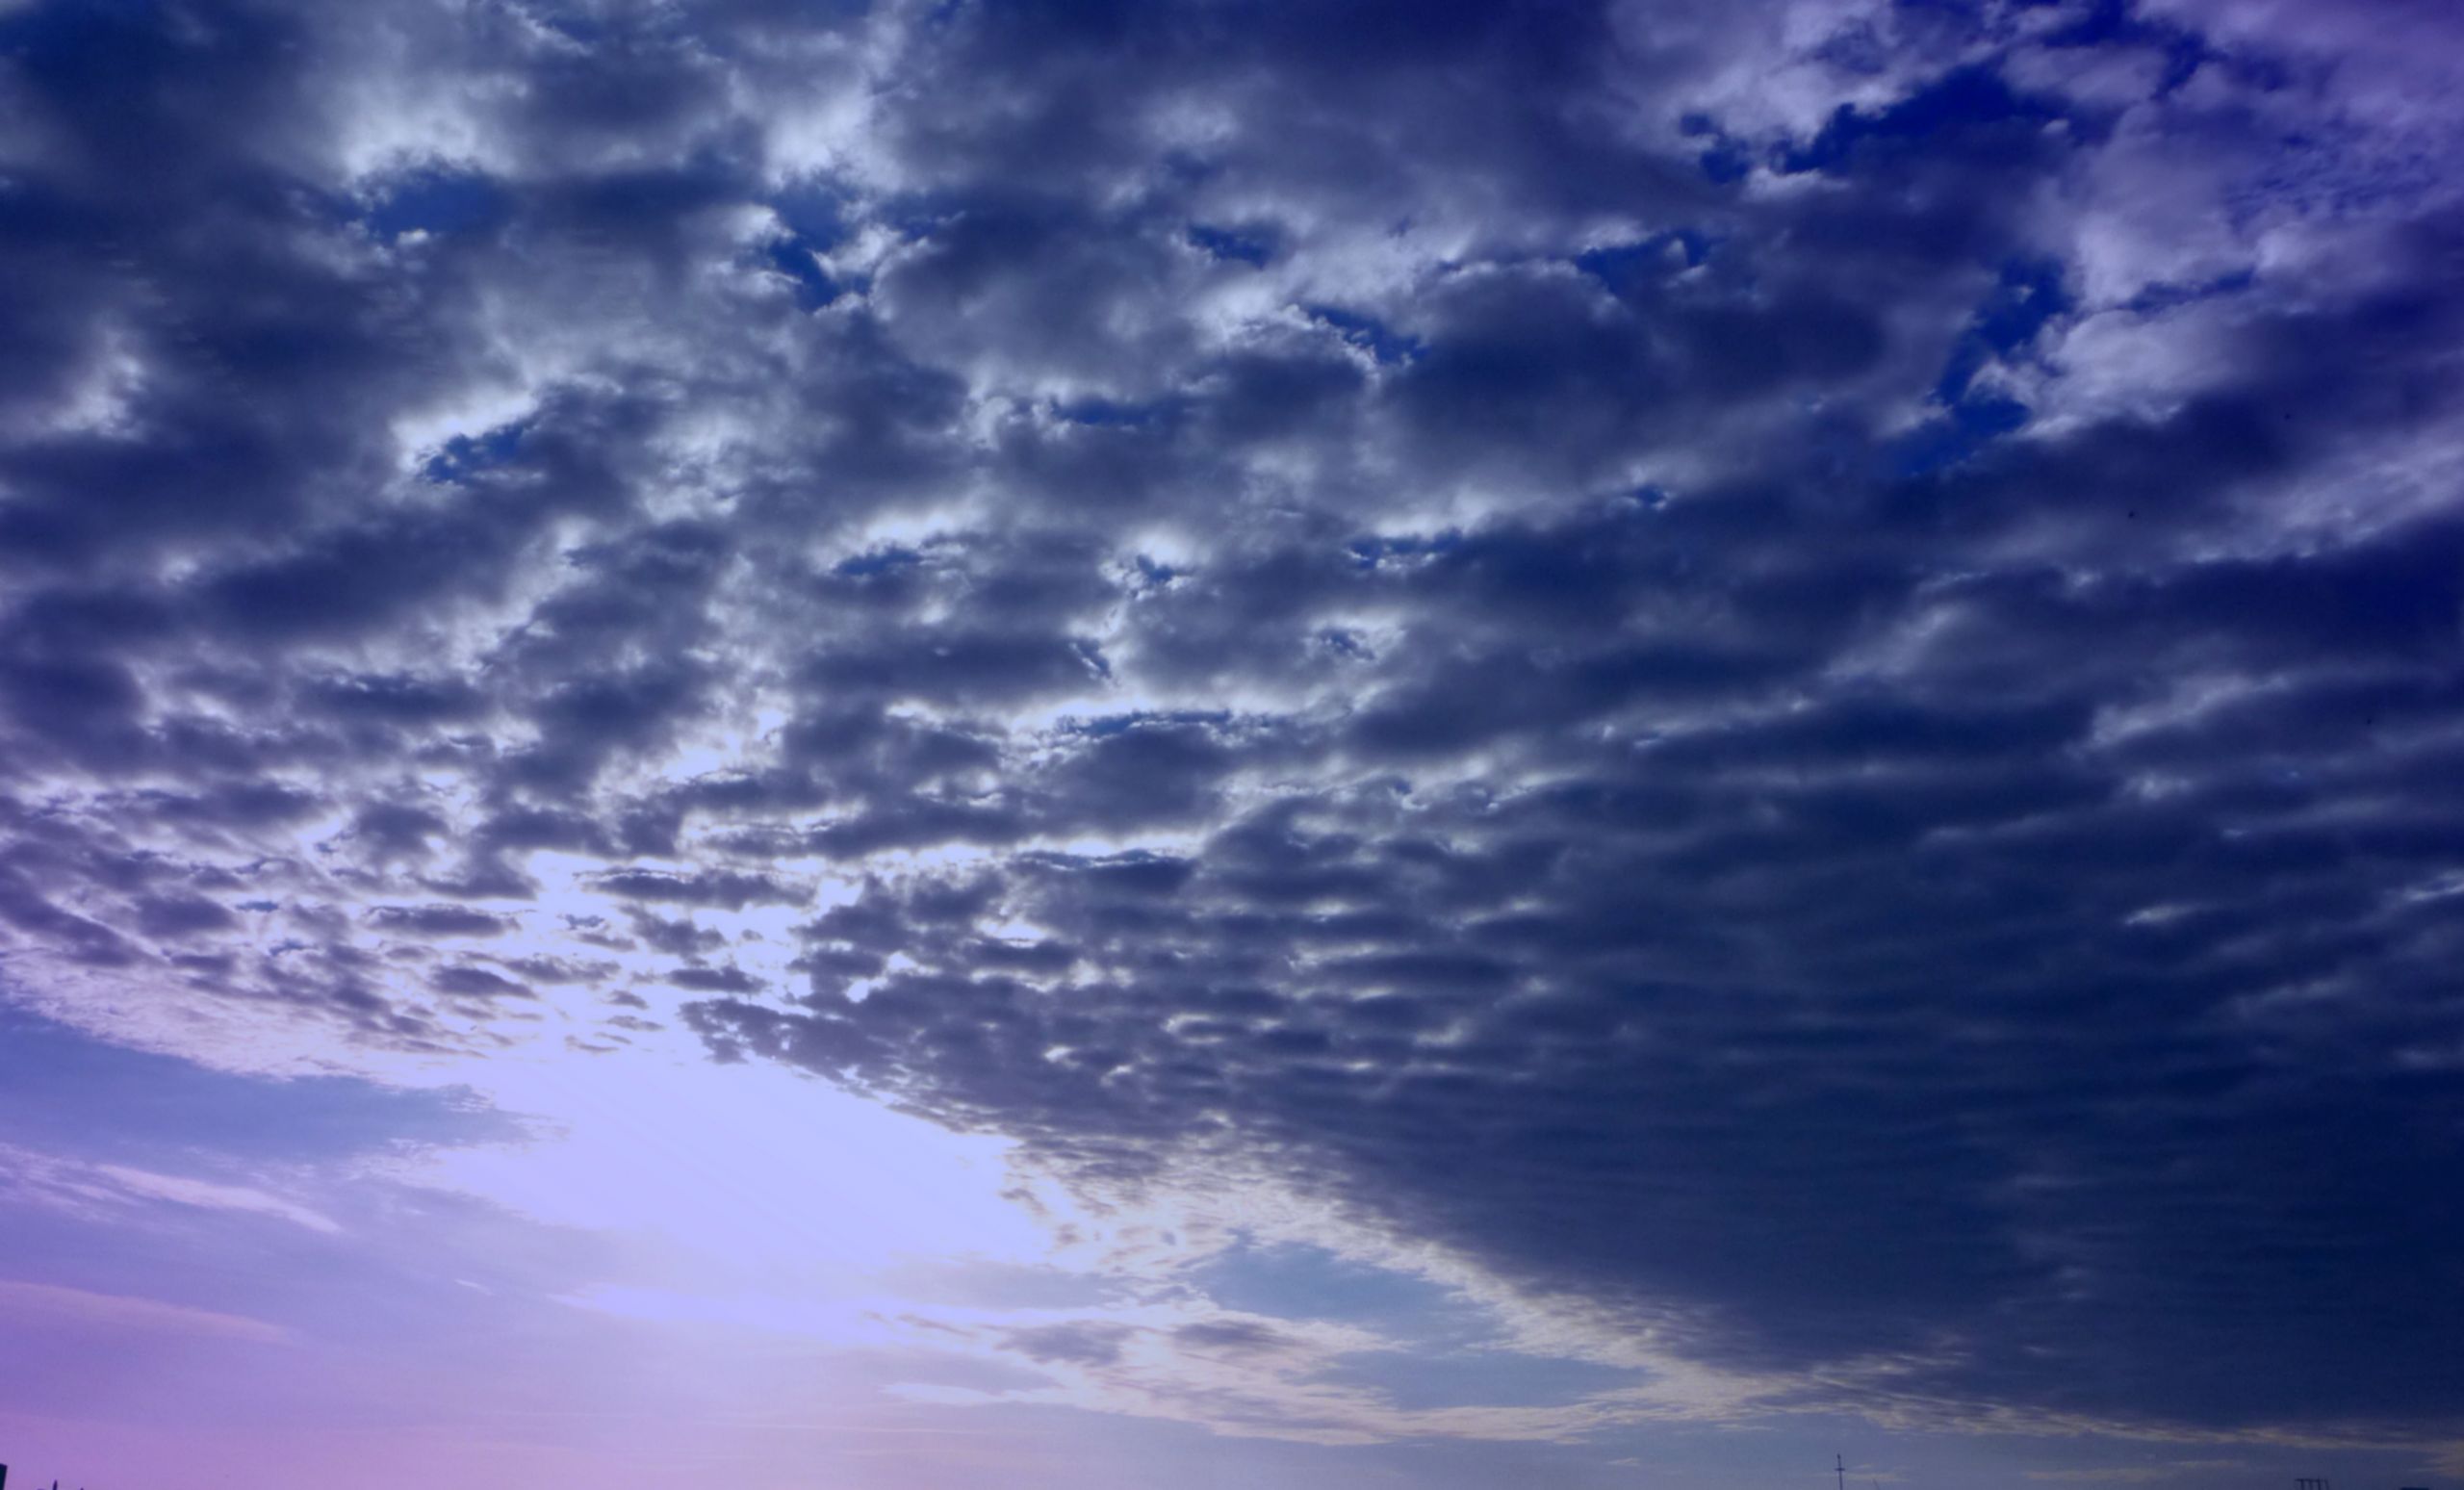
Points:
(1841, 1465)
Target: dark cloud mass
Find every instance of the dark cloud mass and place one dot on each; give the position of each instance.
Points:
(1796, 670)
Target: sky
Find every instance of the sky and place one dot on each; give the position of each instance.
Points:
(1112, 744)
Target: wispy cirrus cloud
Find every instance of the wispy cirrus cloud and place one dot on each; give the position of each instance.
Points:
(116, 1311)
(48, 1179)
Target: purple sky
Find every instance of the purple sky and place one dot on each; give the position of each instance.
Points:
(1187, 743)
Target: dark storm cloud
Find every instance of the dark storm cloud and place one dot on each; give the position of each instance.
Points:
(1747, 701)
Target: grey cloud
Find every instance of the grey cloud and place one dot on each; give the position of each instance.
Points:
(475, 982)
(175, 917)
(678, 937)
(439, 921)
(1076, 1343)
(714, 980)
(1236, 1336)
(556, 970)
(717, 888)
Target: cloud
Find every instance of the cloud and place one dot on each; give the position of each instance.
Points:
(438, 921)
(224, 1197)
(1791, 676)
(1083, 1343)
(120, 1312)
(75, 1184)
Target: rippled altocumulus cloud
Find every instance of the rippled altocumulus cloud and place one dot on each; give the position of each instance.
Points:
(1794, 672)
